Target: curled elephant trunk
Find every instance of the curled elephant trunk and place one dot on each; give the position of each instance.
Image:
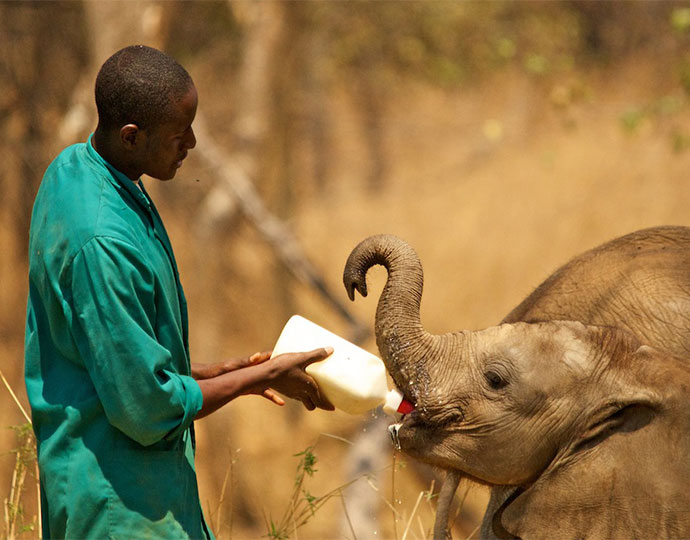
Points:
(413, 357)
(408, 351)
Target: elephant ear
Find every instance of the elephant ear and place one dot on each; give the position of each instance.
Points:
(608, 462)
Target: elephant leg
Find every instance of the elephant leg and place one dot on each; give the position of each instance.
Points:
(491, 528)
(445, 498)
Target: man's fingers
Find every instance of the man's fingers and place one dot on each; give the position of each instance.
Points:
(259, 357)
(316, 397)
(317, 355)
(320, 401)
(308, 403)
(273, 396)
(303, 359)
(326, 405)
(238, 363)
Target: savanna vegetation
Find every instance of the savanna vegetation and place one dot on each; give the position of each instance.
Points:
(498, 138)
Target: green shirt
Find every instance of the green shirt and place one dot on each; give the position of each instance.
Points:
(107, 359)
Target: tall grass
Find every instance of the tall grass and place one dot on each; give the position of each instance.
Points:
(17, 522)
(303, 505)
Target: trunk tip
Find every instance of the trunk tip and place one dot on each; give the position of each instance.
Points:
(353, 283)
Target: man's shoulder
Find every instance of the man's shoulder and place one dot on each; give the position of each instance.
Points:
(74, 161)
(70, 186)
(77, 201)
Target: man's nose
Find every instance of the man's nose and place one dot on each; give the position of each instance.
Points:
(191, 140)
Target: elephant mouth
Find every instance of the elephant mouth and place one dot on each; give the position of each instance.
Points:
(393, 431)
(408, 422)
(411, 429)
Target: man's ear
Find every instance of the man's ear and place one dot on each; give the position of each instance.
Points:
(130, 135)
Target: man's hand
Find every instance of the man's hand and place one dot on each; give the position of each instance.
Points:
(259, 374)
(286, 375)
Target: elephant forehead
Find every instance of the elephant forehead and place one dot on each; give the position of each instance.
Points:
(575, 353)
(551, 349)
(577, 359)
(545, 347)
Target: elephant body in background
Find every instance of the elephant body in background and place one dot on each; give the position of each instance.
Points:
(637, 285)
(639, 282)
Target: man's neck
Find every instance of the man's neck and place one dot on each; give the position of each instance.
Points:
(106, 145)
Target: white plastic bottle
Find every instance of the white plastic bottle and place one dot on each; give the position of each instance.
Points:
(352, 379)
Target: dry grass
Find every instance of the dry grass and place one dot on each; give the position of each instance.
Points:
(19, 523)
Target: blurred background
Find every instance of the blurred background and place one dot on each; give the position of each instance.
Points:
(498, 138)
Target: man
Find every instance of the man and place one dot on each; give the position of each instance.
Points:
(112, 391)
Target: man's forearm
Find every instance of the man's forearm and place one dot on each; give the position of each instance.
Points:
(219, 390)
(206, 371)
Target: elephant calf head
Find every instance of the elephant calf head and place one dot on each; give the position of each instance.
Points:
(517, 398)
(587, 424)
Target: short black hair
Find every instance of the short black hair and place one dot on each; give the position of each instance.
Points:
(138, 85)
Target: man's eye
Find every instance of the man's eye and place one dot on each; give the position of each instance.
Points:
(495, 380)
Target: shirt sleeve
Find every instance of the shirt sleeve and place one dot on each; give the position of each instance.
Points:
(114, 309)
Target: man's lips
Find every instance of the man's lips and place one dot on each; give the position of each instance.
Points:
(178, 163)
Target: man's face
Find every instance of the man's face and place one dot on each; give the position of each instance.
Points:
(168, 143)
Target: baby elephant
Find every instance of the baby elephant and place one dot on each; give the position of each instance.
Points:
(592, 428)
(579, 430)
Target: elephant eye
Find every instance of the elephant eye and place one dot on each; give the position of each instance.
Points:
(495, 380)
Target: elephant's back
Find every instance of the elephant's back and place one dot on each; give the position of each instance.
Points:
(639, 282)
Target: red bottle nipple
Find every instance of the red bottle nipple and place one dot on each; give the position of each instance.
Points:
(405, 407)
(396, 403)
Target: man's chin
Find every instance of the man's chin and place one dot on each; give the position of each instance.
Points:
(163, 177)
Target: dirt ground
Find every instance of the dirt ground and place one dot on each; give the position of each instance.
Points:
(495, 186)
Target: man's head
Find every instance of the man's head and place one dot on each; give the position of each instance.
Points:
(146, 103)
